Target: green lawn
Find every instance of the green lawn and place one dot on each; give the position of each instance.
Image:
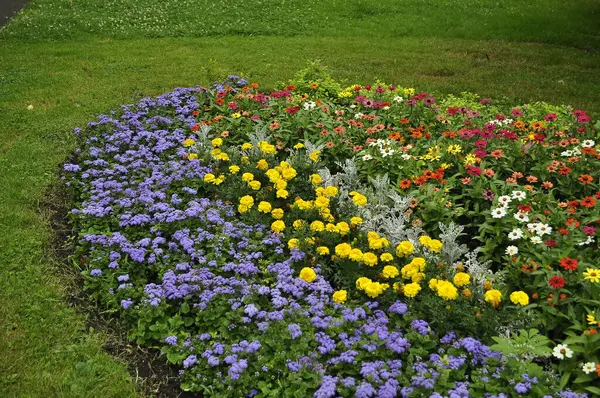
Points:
(75, 59)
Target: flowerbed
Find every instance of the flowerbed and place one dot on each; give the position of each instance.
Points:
(366, 241)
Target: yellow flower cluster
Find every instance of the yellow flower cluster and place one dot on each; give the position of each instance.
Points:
(462, 279)
(267, 148)
(212, 179)
(308, 274)
(444, 289)
(358, 199)
(246, 203)
(432, 244)
(404, 248)
(340, 296)
(377, 242)
(188, 142)
(493, 297)
(372, 289)
(520, 298)
(218, 154)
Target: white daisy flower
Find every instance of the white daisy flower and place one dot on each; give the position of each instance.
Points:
(386, 151)
(512, 250)
(561, 351)
(568, 153)
(498, 212)
(519, 195)
(588, 144)
(543, 229)
(535, 240)
(398, 98)
(504, 200)
(309, 106)
(588, 367)
(515, 234)
(576, 151)
(522, 216)
(353, 106)
(358, 115)
(367, 157)
(406, 156)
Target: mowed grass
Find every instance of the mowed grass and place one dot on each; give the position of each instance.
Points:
(72, 60)
(546, 21)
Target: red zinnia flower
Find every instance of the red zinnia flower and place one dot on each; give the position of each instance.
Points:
(569, 263)
(557, 282)
(588, 202)
(404, 184)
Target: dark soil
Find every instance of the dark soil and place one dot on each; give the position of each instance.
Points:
(8, 8)
(153, 376)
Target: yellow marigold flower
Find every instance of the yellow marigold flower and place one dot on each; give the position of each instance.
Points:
(322, 250)
(314, 156)
(408, 271)
(370, 259)
(192, 156)
(358, 199)
(310, 241)
(273, 175)
(520, 298)
(320, 191)
(278, 226)
(342, 250)
(317, 226)
(262, 164)
(356, 221)
(219, 180)
(215, 152)
(435, 245)
(255, 185)
(284, 165)
(321, 202)
(592, 275)
(591, 319)
(210, 177)
(288, 173)
(298, 224)
(331, 191)
(493, 297)
(299, 146)
(233, 169)
(433, 283)
(446, 290)
(327, 217)
(374, 289)
(280, 184)
(246, 146)
(343, 228)
(418, 262)
(264, 207)
(418, 277)
(243, 208)
(378, 243)
(425, 240)
(308, 274)
(265, 147)
(362, 282)
(340, 296)
(244, 159)
(331, 228)
(247, 200)
(188, 142)
(412, 289)
(217, 142)
(282, 193)
(404, 248)
(389, 271)
(303, 204)
(277, 213)
(356, 255)
(247, 177)
(293, 243)
(386, 257)
(316, 179)
(222, 156)
(462, 279)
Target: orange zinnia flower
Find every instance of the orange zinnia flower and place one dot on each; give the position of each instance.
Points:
(588, 202)
(405, 184)
(585, 179)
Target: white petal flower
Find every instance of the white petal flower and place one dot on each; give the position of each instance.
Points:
(522, 216)
(504, 200)
(588, 367)
(519, 195)
(367, 157)
(498, 212)
(588, 144)
(512, 250)
(406, 156)
(536, 240)
(398, 98)
(515, 234)
(561, 351)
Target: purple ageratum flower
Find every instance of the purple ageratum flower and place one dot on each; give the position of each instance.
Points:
(327, 387)
(365, 390)
(96, 272)
(522, 388)
(190, 361)
(237, 368)
(295, 330)
(213, 361)
(250, 310)
(294, 366)
(398, 308)
(448, 338)
(420, 326)
(171, 340)
(126, 303)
